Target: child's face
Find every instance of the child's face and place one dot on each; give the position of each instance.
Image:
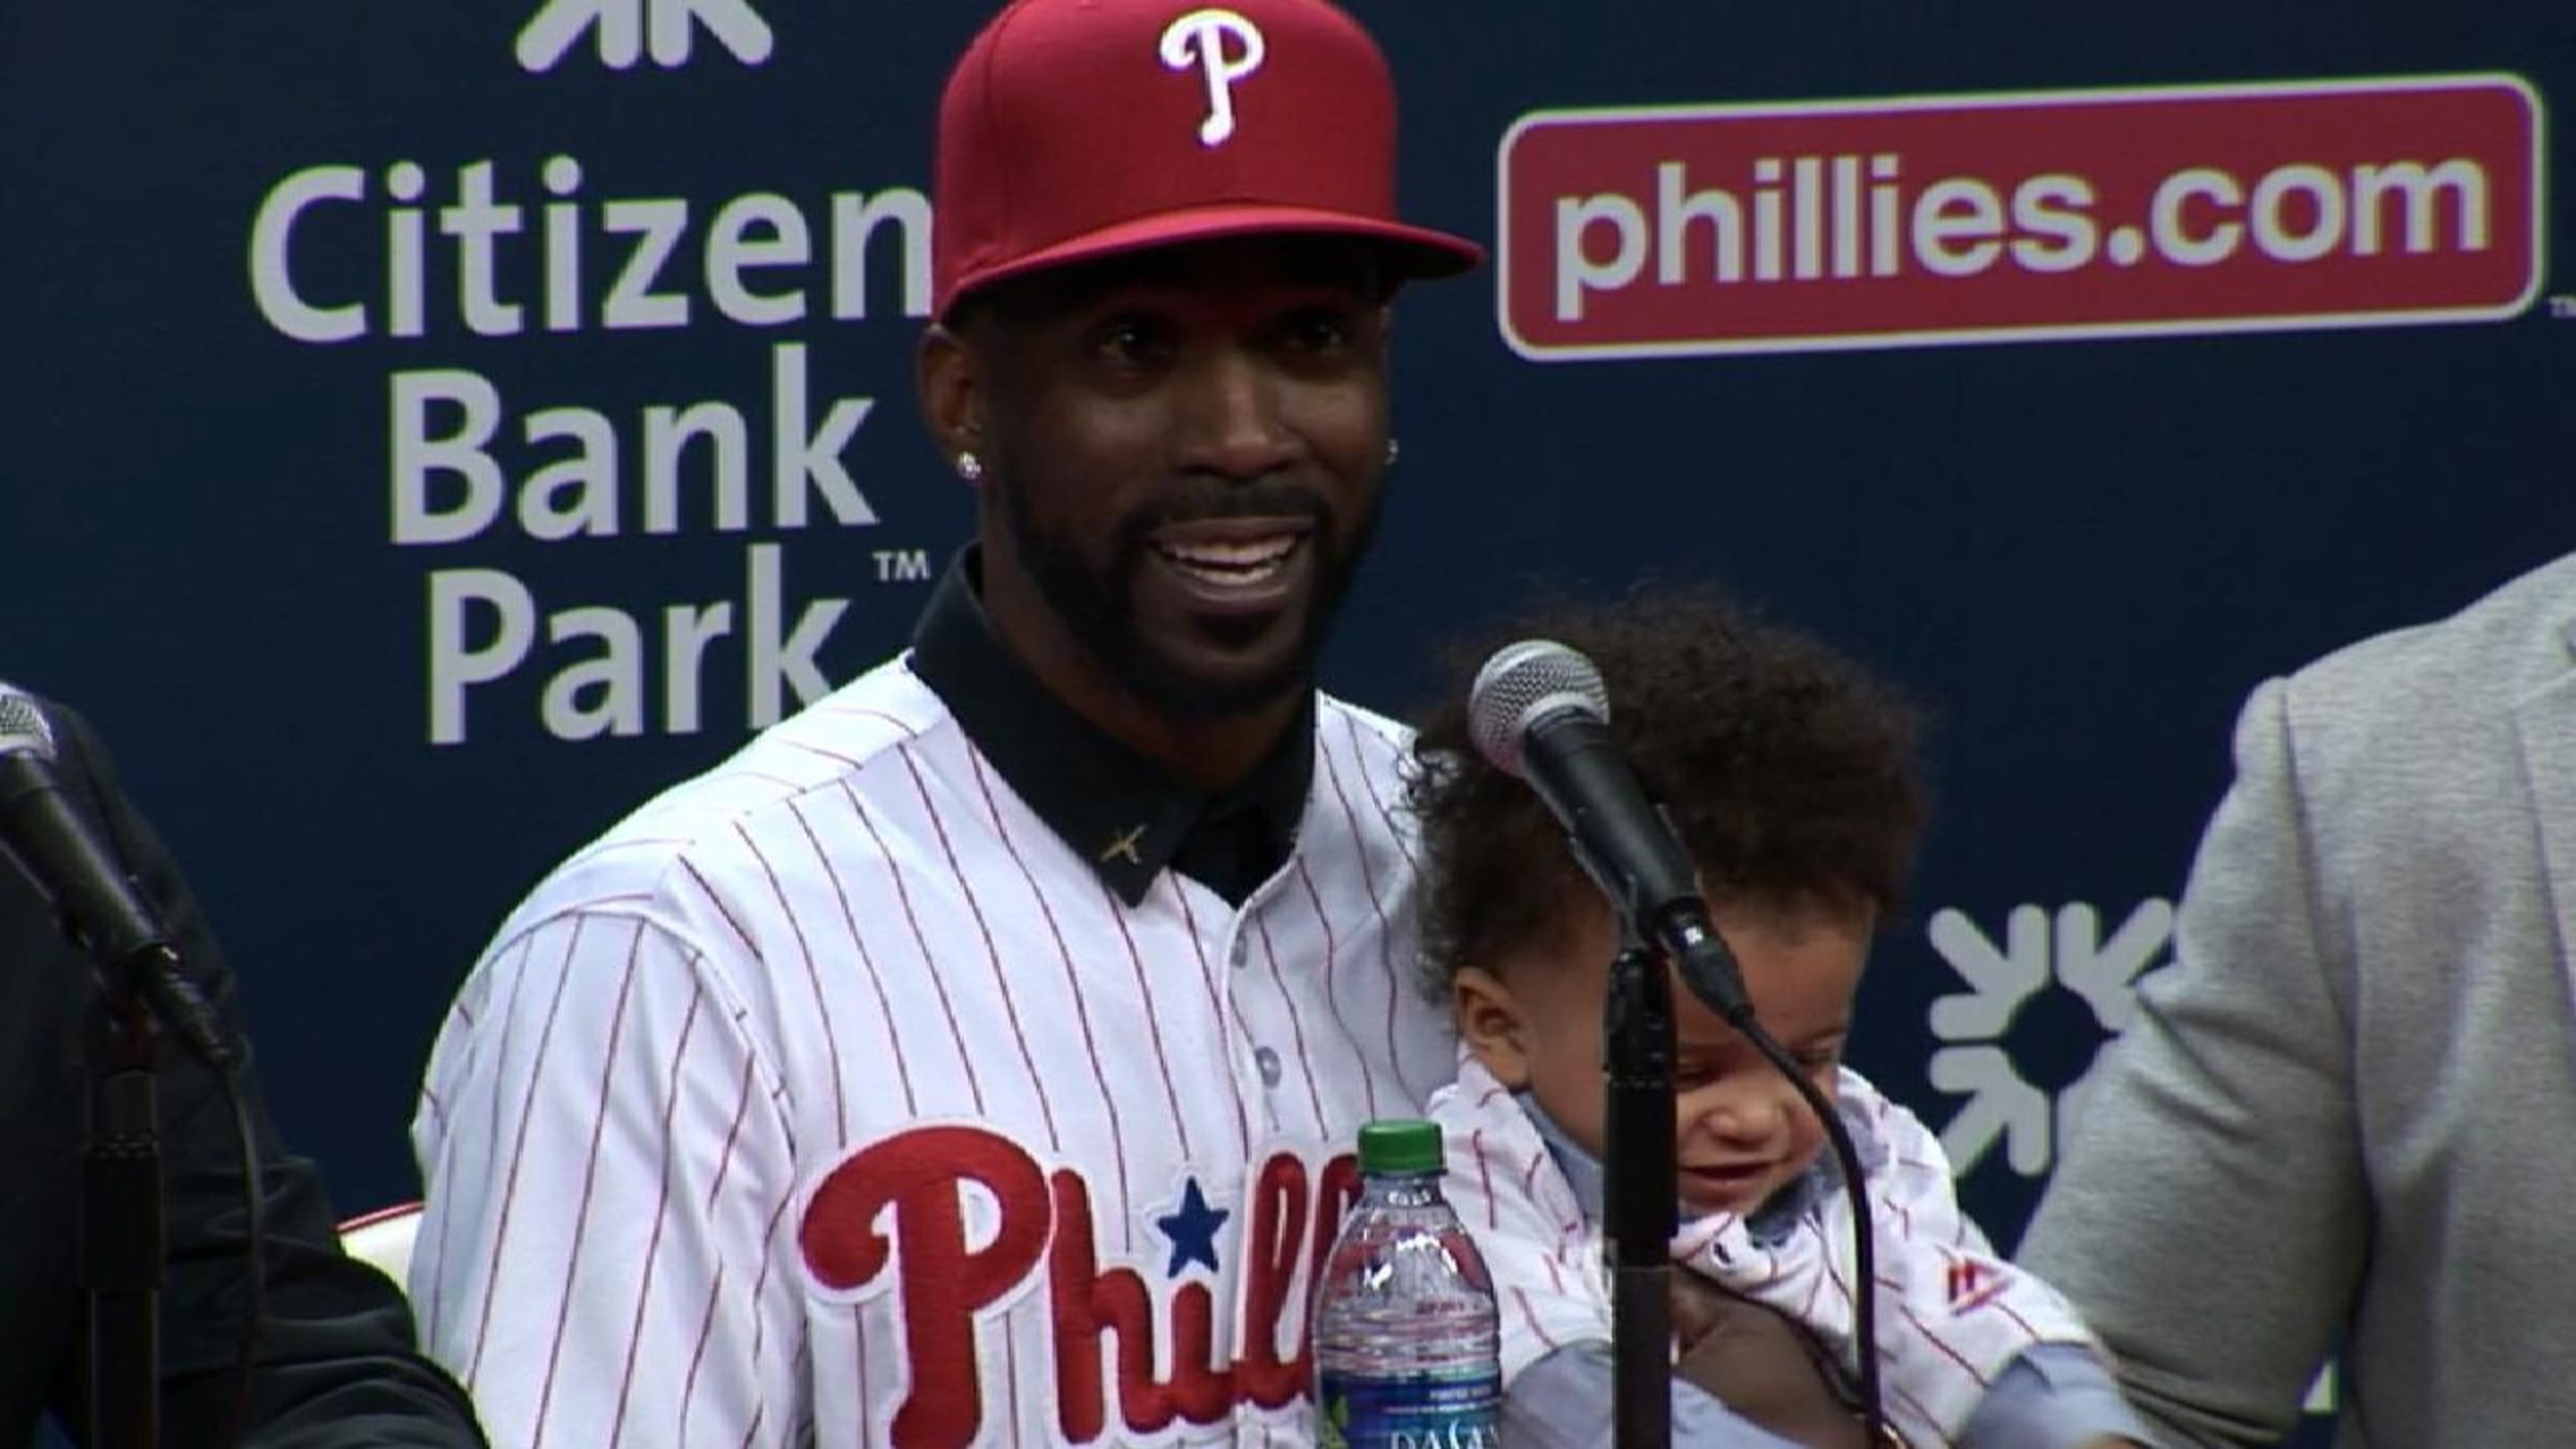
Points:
(1534, 1021)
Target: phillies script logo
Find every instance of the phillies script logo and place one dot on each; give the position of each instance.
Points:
(1041, 1224)
(1838, 224)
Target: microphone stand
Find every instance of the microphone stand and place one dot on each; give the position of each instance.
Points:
(1637, 1206)
(1711, 973)
(121, 1211)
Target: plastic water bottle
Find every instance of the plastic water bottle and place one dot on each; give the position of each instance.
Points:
(1407, 1338)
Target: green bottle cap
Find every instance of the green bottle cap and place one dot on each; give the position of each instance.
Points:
(1400, 1146)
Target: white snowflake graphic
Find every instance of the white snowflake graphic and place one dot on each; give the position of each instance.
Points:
(1975, 1062)
(625, 30)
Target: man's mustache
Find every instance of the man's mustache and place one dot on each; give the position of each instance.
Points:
(1203, 502)
(1242, 500)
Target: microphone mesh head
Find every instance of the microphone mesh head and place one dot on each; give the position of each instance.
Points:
(1521, 682)
(24, 730)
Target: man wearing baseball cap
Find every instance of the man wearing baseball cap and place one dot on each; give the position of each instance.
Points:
(975, 1057)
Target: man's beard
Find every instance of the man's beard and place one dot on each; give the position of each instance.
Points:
(1098, 608)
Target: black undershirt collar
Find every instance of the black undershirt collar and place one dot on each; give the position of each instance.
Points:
(1124, 813)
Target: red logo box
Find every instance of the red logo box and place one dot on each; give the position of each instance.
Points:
(1996, 218)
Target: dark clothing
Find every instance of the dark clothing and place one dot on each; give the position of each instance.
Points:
(336, 1364)
(1129, 815)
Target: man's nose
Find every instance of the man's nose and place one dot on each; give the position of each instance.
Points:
(1236, 429)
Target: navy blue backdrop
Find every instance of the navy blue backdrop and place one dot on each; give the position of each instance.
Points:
(307, 426)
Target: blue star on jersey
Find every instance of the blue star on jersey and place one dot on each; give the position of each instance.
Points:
(1192, 1229)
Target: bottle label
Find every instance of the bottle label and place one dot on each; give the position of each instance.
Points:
(1355, 1411)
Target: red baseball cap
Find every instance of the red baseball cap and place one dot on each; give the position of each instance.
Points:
(1075, 129)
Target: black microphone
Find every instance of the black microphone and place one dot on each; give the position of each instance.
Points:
(1539, 712)
(52, 841)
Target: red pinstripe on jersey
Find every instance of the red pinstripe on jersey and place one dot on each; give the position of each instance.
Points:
(518, 1155)
(805, 955)
(1296, 1021)
(1082, 1012)
(1216, 997)
(1398, 973)
(938, 982)
(1154, 1033)
(652, 1250)
(907, 1061)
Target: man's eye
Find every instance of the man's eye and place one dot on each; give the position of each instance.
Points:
(1319, 331)
(1128, 340)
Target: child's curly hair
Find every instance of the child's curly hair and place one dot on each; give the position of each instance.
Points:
(1788, 770)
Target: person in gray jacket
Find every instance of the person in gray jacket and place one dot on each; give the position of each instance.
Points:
(2344, 1120)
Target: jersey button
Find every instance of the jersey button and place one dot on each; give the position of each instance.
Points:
(1268, 1061)
(1242, 952)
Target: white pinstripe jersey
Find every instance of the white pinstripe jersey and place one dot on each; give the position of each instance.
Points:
(831, 1098)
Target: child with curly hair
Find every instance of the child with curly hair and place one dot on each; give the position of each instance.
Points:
(1788, 773)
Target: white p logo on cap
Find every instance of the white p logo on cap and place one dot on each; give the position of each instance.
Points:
(1226, 48)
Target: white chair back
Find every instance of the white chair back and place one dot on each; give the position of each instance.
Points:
(382, 1239)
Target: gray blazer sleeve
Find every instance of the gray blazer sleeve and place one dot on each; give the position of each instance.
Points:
(2210, 1217)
